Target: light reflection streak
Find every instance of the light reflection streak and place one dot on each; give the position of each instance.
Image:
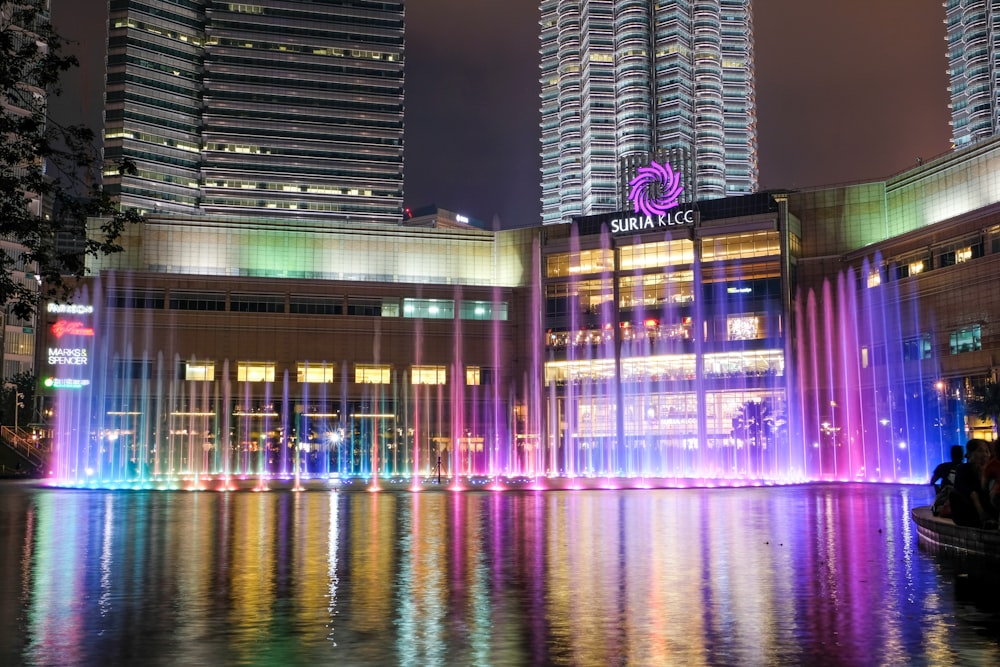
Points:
(333, 579)
(107, 535)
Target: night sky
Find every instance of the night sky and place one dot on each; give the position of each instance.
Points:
(846, 91)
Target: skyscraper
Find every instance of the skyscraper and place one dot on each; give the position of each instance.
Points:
(279, 108)
(632, 80)
(973, 69)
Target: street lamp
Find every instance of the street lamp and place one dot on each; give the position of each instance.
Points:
(18, 404)
(18, 398)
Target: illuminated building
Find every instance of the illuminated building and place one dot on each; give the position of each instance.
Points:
(278, 108)
(973, 68)
(671, 337)
(835, 334)
(624, 82)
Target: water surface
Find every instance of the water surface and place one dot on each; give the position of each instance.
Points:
(819, 574)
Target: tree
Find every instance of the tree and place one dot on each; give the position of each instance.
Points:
(985, 403)
(45, 167)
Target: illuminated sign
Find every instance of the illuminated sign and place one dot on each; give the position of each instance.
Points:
(68, 356)
(66, 383)
(649, 181)
(461, 218)
(70, 309)
(643, 223)
(70, 328)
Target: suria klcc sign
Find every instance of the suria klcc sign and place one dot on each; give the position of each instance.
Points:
(655, 197)
(654, 193)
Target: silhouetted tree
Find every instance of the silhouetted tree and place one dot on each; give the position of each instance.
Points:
(985, 403)
(44, 166)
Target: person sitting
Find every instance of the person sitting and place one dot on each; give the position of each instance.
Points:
(945, 474)
(969, 501)
(991, 480)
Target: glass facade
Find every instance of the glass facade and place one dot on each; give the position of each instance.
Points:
(636, 79)
(973, 68)
(668, 356)
(257, 109)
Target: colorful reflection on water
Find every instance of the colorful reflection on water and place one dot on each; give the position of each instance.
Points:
(793, 575)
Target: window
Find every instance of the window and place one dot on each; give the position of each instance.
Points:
(429, 375)
(434, 309)
(655, 289)
(741, 246)
(372, 374)
(135, 299)
(315, 372)
(197, 301)
(314, 305)
(373, 307)
(659, 254)
(133, 369)
(585, 296)
(966, 340)
(199, 371)
(477, 376)
(257, 303)
(874, 278)
(916, 348)
(255, 371)
(739, 291)
(586, 261)
(743, 327)
(483, 310)
(960, 251)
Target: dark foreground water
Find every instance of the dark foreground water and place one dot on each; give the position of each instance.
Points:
(818, 575)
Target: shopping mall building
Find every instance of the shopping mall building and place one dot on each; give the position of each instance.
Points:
(783, 336)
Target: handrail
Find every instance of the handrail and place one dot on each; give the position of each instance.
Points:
(21, 442)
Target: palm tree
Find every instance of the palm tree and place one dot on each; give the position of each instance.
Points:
(985, 403)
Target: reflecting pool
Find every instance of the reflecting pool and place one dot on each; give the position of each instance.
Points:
(816, 574)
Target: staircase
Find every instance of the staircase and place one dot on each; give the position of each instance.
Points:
(23, 444)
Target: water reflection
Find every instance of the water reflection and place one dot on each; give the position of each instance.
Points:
(817, 574)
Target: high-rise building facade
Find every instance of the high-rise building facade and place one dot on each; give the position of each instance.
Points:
(644, 79)
(271, 108)
(973, 69)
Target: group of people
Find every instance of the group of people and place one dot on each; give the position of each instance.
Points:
(969, 491)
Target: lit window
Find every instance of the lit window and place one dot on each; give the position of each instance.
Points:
(874, 278)
(429, 375)
(743, 328)
(966, 340)
(483, 310)
(372, 373)
(472, 375)
(963, 255)
(440, 309)
(315, 372)
(255, 371)
(202, 371)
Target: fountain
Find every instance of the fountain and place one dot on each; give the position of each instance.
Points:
(633, 396)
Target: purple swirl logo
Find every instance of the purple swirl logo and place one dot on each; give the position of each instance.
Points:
(650, 180)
